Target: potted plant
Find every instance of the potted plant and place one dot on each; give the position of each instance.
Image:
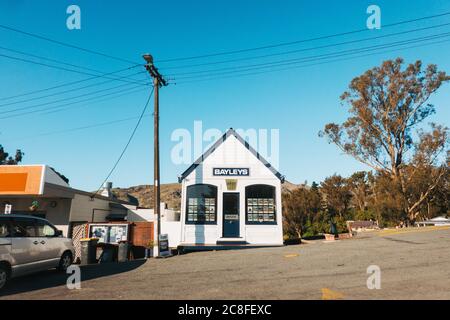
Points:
(330, 237)
(149, 249)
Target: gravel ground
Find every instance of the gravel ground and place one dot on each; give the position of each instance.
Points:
(414, 264)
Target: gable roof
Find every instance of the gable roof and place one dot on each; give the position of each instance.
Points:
(214, 147)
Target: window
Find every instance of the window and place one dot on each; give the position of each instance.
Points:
(45, 230)
(201, 204)
(5, 229)
(22, 228)
(260, 204)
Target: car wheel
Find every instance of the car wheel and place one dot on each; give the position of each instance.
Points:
(65, 262)
(4, 275)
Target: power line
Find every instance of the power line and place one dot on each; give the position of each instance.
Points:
(113, 95)
(307, 65)
(301, 41)
(48, 59)
(127, 144)
(66, 44)
(309, 58)
(67, 104)
(66, 91)
(146, 115)
(64, 99)
(58, 67)
(212, 77)
(95, 125)
(304, 49)
(66, 84)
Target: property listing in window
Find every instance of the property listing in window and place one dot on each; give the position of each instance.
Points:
(260, 202)
(201, 204)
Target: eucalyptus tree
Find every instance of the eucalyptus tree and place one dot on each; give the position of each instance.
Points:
(387, 106)
(6, 159)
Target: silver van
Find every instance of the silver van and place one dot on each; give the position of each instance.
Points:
(29, 244)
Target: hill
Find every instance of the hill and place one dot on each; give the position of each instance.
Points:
(170, 194)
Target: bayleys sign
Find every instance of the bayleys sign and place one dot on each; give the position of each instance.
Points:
(231, 172)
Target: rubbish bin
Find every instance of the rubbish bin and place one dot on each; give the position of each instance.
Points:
(88, 251)
(109, 253)
(333, 229)
(122, 254)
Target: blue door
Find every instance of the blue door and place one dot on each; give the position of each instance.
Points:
(230, 215)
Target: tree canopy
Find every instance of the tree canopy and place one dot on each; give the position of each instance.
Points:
(6, 159)
(386, 106)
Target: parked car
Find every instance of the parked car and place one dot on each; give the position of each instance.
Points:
(29, 244)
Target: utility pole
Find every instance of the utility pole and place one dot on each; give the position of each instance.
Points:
(158, 81)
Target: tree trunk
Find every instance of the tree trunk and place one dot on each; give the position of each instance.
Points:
(414, 208)
(298, 231)
(398, 179)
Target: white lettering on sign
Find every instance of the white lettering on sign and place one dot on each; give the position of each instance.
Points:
(231, 171)
(8, 208)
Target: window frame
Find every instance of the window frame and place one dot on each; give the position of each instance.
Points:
(247, 222)
(186, 219)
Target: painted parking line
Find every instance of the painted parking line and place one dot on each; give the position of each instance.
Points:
(415, 230)
(328, 294)
(292, 255)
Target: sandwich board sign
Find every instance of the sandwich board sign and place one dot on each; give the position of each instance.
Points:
(163, 243)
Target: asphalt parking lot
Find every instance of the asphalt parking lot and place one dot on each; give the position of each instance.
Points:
(414, 264)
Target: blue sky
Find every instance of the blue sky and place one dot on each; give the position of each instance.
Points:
(298, 102)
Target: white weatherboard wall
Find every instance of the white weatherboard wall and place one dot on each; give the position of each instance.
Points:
(170, 223)
(232, 154)
(172, 229)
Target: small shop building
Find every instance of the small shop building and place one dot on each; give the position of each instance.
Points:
(38, 190)
(231, 195)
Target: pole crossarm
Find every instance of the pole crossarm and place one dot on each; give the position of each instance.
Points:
(154, 73)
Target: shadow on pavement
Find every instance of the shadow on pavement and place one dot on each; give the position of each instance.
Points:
(403, 241)
(52, 278)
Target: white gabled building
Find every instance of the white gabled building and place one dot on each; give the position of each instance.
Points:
(231, 195)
